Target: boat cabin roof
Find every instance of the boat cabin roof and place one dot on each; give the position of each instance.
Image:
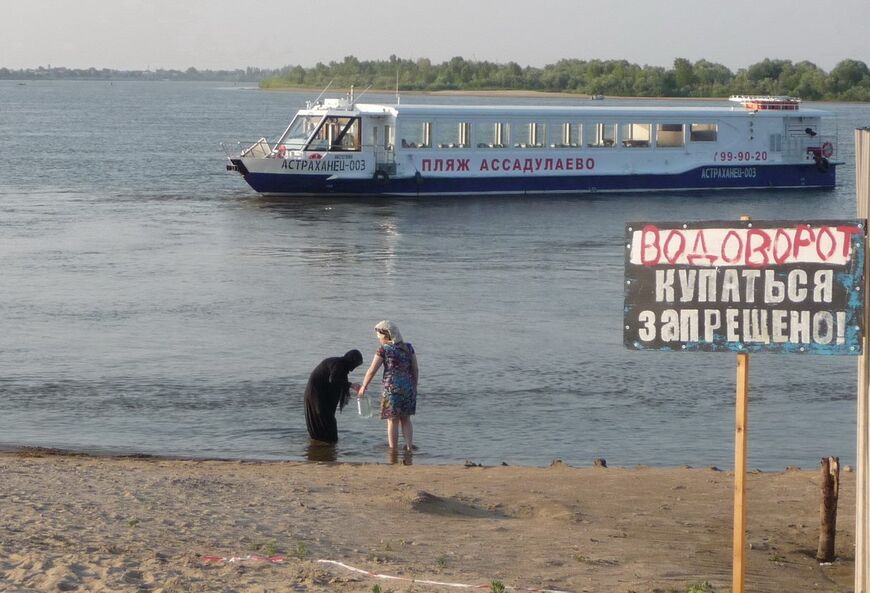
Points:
(548, 111)
(531, 111)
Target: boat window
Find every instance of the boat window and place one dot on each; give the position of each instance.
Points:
(703, 132)
(567, 135)
(636, 135)
(415, 134)
(602, 135)
(530, 135)
(489, 134)
(388, 137)
(521, 135)
(299, 131)
(669, 135)
(447, 134)
(336, 134)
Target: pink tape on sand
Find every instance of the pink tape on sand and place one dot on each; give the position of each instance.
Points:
(439, 583)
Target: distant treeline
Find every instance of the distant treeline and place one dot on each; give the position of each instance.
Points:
(849, 80)
(42, 73)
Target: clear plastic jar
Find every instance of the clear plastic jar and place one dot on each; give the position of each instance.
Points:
(364, 406)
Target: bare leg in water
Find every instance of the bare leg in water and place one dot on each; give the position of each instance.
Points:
(407, 432)
(392, 432)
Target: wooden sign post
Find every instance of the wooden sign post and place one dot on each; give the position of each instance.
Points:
(862, 495)
(740, 443)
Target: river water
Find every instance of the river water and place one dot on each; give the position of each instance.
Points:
(151, 303)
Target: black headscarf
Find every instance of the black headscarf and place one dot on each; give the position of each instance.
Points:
(351, 359)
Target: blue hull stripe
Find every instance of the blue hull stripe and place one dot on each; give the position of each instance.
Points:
(707, 177)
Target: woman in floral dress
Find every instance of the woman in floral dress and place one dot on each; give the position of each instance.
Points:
(399, 399)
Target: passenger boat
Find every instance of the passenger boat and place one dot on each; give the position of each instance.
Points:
(337, 146)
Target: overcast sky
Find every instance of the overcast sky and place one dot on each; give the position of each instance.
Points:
(217, 34)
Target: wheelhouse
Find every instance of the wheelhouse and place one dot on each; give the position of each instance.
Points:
(321, 131)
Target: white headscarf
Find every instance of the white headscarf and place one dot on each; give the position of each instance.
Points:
(394, 337)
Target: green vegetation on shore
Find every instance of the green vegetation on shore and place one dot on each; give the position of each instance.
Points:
(848, 81)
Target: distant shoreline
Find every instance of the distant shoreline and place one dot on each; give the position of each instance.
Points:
(520, 94)
(494, 93)
(849, 79)
(523, 94)
(445, 93)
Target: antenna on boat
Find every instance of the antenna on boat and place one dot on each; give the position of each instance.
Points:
(398, 98)
(365, 90)
(323, 91)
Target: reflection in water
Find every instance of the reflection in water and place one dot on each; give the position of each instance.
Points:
(341, 241)
(390, 238)
(321, 451)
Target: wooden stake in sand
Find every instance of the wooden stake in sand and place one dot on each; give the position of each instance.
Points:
(830, 467)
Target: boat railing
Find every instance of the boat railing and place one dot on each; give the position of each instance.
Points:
(258, 150)
(809, 148)
(767, 102)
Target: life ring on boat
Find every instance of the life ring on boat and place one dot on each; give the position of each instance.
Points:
(827, 150)
(282, 151)
(822, 165)
(381, 176)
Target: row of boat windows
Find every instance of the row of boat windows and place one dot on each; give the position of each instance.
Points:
(344, 134)
(421, 135)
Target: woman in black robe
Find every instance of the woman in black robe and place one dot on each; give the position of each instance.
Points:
(328, 389)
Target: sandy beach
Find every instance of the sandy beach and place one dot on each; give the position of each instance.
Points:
(80, 523)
